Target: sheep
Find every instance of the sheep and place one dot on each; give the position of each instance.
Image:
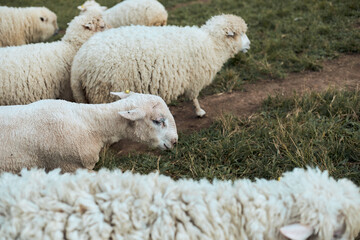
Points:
(130, 12)
(91, 5)
(167, 61)
(41, 71)
(115, 205)
(53, 134)
(19, 26)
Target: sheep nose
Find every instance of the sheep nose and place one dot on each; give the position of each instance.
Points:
(174, 142)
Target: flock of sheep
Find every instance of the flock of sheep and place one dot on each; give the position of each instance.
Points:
(109, 78)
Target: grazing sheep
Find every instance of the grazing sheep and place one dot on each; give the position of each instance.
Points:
(91, 5)
(116, 205)
(130, 12)
(41, 71)
(166, 61)
(59, 134)
(20, 26)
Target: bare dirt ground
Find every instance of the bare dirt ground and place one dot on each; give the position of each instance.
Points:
(343, 72)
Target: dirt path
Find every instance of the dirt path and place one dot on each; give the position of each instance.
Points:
(343, 72)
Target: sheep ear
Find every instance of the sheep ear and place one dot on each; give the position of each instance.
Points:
(89, 26)
(81, 7)
(133, 115)
(339, 232)
(230, 34)
(297, 231)
(121, 95)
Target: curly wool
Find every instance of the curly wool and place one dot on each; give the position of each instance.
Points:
(116, 205)
(19, 26)
(130, 12)
(42, 71)
(166, 61)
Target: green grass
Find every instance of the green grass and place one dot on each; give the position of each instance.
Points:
(286, 36)
(320, 130)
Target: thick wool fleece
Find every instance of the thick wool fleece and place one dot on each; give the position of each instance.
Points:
(58, 134)
(20, 26)
(42, 71)
(116, 205)
(130, 12)
(166, 61)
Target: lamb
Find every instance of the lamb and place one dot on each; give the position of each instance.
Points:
(41, 71)
(116, 205)
(167, 61)
(53, 134)
(130, 12)
(20, 26)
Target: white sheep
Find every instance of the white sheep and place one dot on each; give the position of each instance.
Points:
(41, 71)
(20, 26)
(130, 12)
(116, 205)
(59, 134)
(167, 61)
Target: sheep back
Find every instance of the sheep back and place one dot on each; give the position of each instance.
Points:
(46, 134)
(165, 61)
(112, 204)
(34, 72)
(130, 12)
(42, 71)
(136, 12)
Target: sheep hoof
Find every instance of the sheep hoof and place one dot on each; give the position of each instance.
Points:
(200, 113)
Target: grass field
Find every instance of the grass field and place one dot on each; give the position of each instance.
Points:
(286, 36)
(320, 130)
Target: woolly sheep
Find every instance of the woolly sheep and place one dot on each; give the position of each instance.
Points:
(41, 71)
(20, 26)
(59, 134)
(130, 12)
(167, 61)
(115, 205)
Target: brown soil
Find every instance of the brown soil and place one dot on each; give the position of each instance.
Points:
(343, 72)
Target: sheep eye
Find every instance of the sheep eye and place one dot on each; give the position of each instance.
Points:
(156, 122)
(339, 232)
(159, 122)
(42, 19)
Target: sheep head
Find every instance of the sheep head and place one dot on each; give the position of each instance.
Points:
(149, 120)
(91, 5)
(82, 27)
(46, 24)
(229, 31)
(327, 209)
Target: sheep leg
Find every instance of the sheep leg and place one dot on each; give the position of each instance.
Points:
(199, 111)
(77, 90)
